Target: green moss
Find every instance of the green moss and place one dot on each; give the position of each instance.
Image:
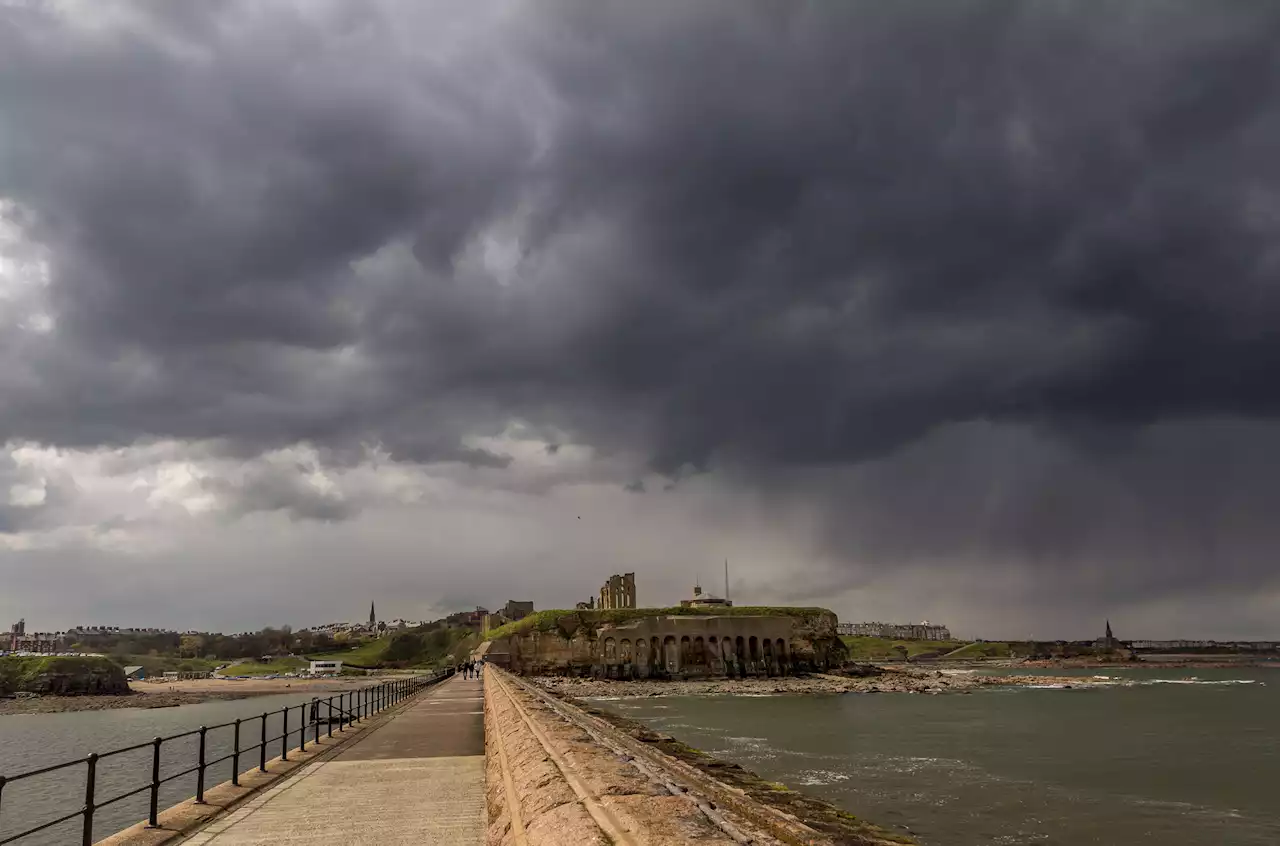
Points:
(75, 674)
(555, 620)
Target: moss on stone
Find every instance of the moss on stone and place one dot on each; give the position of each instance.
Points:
(570, 623)
(67, 675)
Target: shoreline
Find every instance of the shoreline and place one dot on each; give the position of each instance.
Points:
(890, 681)
(150, 695)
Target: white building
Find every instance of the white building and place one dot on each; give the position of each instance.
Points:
(321, 668)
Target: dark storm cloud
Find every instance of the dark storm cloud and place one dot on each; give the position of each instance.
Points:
(769, 235)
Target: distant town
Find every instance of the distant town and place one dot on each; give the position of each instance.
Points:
(617, 592)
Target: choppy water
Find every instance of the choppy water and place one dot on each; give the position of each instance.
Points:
(1170, 758)
(32, 741)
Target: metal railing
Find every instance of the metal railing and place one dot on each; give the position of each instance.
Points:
(341, 710)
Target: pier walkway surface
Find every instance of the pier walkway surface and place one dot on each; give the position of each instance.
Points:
(417, 778)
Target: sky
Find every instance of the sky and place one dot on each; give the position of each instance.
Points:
(958, 311)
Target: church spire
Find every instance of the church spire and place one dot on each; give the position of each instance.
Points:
(373, 617)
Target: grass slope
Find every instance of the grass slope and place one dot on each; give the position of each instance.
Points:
(279, 666)
(367, 653)
(883, 648)
(547, 621)
(421, 647)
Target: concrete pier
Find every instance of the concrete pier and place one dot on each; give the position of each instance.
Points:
(416, 779)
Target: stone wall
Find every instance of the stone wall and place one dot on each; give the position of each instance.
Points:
(659, 645)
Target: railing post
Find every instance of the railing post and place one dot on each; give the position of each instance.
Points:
(235, 756)
(90, 782)
(302, 728)
(330, 703)
(315, 716)
(154, 811)
(200, 767)
(2, 781)
(284, 735)
(262, 746)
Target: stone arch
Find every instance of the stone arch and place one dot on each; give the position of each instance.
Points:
(699, 652)
(686, 652)
(670, 654)
(767, 654)
(624, 650)
(714, 663)
(642, 657)
(656, 663)
(780, 653)
(610, 650)
(740, 654)
(753, 653)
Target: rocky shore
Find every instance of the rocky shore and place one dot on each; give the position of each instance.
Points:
(108, 702)
(889, 681)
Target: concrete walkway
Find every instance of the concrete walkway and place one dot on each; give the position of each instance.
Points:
(416, 779)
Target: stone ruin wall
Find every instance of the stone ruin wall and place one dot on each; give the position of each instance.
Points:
(676, 646)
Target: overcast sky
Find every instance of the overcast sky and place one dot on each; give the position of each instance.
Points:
(965, 311)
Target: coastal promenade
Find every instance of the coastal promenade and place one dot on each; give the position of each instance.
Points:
(418, 778)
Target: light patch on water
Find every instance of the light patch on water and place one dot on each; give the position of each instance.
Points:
(1194, 680)
(814, 778)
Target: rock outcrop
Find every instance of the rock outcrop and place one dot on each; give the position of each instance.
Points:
(61, 676)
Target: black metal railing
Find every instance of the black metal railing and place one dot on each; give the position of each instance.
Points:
(339, 712)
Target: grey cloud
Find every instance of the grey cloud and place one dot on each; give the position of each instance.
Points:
(851, 226)
(267, 488)
(767, 239)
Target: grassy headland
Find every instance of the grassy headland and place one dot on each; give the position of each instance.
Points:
(61, 675)
(553, 620)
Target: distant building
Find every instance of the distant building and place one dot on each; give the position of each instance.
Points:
(42, 643)
(324, 668)
(135, 673)
(1107, 641)
(619, 592)
(468, 619)
(514, 610)
(704, 600)
(896, 631)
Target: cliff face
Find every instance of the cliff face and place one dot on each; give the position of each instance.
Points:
(644, 643)
(61, 676)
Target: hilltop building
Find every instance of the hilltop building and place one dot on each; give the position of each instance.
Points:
(515, 610)
(705, 600)
(619, 592)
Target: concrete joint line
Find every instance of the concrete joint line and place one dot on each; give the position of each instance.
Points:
(509, 786)
(604, 818)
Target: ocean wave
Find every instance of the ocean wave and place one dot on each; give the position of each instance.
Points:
(1194, 680)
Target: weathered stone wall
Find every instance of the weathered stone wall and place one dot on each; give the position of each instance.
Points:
(675, 646)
